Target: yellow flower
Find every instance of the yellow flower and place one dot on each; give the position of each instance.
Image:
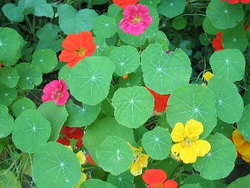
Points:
(207, 76)
(81, 157)
(140, 161)
(189, 147)
(242, 145)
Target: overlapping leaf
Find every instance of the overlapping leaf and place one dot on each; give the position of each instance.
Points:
(244, 123)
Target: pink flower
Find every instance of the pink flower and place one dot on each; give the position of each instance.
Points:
(56, 91)
(136, 19)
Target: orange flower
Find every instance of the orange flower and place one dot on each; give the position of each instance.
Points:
(76, 47)
(124, 3)
(217, 42)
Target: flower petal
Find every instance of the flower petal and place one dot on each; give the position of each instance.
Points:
(203, 146)
(193, 129)
(176, 150)
(154, 176)
(136, 169)
(143, 158)
(170, 184)
(178, 134)
(189, 154)
(238, 139)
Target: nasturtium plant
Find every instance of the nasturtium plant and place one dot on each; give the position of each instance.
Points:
(193, 102)
(30, 131)
(89, 80)
(133, 106)
(54, 164)
(114, 155)
(124, 93)
(161, 70)
(229, 103)
(229, 63)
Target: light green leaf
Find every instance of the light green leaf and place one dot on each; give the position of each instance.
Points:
(133, 106)
(90, 79)
(163, 72)
(3, 109)
(81, 116)
(229, 103)
(72, 21)
(219, 162)
(13, 12)
(114, 155)
(224, 128)
(240, 182)
(171, 8)
(56, 115)
(113, 10)
(125, 58)
(49, 38)
(30, 131)
(7, 95)
(151, 3)
(193, 102)
(104, 26)
(224, 15)
(157, 143)
(96, 183)
(198, 180)
(45, 60)
(54, 165)
(160, 38)
(235, 38)
(21, 105)
(8, 179)
(100, 130)
(244, 123)
(229, 63)
(124, 180)
(6, 123)
(209, 28)
(10, 43)
(29, 76)
(9, 76)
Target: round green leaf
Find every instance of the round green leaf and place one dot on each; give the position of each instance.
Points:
(157, 143)
(151, 3)
(56, 115)
(229, 63)
(209, 28)
(244, 123)
(179, 23)
(125, 58)
(193, 102)
(101, 46)
(160, 38)
(54, 165)
(124, 180)
(133, 106)
(90, 79)
(190, 186)
(29, 76)
(104, 26)
(113, 10)
(198, 180)
(96, 183)
(224, 15)
(235, 38)
(13, 12)
(8, 179)
(64, 74)
(45, 60)
(161, 71)
(7, 95)
(114, 155)
(21, 105)
(171, 8)
(133, 79)
(219, 162)
(3, 109)
(6, 123)
(100, 130)
(229, 103)
(30, 131)
(81, 116)
(223, 128)
(9, 76)
(72, 21)
(240, 182)
(10, 43)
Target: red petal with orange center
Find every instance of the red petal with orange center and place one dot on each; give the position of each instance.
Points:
(154, 176)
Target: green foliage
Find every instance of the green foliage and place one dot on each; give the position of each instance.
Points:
(241, 182)
(171, 8)
(96, 183)
(124, 180)
(8, 179)
(104, 26)
(7, 95)
(9, 77)
(243, 124)
(6, 124)
(21, 105)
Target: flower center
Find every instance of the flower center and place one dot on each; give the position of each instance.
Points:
(81, 52)
(187, 142)
(136, 19)
(57, 94)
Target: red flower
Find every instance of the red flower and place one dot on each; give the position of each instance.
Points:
(237, 1)
(124, 3)
(161, 101)
(71, 133)
(155, 178)
(89, 159)
(76, 47)
(217, 42)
